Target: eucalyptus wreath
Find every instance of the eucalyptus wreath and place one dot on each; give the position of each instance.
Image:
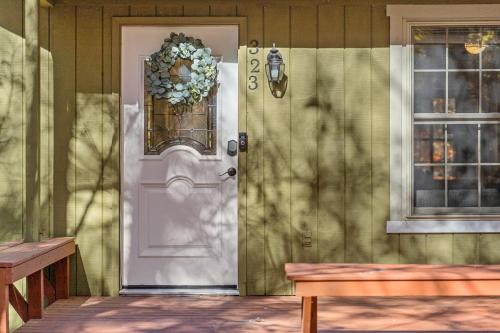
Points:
(179, 50)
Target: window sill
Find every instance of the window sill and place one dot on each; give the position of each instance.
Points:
(443, 226)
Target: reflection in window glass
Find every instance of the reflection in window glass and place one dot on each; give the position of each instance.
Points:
(462, 186)
(429, 186)
(430, 92)
(430, 49)
(456, 134)
(463, 89)
(490, 92)
(462, 143)
(459, 57)
(490, 143)
(491, 54)
(490, 186)
(429, 143)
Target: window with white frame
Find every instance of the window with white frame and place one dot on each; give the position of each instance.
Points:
(445, 118)
(456, 120)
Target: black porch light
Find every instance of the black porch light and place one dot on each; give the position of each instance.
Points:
(275, 68)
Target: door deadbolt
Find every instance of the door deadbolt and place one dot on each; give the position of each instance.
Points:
(232, 147)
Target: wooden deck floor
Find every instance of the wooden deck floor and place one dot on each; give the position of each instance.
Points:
(265, 314)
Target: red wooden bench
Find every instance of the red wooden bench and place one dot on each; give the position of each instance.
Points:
(313, 280)
(29, 260)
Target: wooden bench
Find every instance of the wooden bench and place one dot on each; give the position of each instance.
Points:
(313, 280)
(28, 260)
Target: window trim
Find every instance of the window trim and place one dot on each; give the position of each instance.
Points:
(402, 18)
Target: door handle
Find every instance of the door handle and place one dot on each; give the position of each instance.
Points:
(230, 172)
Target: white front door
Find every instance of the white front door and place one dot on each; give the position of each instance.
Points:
(179, 215)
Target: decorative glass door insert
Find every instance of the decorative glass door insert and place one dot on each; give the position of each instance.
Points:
(168, 125)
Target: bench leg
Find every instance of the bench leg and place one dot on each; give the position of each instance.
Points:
(62, 278)
(35, 295)
(309, 314)
(4, 308)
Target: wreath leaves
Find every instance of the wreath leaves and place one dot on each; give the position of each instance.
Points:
(203, 66)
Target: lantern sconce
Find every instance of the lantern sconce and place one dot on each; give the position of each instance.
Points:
(275, 72)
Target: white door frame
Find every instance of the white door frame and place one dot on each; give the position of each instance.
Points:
(241, 22)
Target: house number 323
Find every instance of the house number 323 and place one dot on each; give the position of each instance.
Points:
(254, 66)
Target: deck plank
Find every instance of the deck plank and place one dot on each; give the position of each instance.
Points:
(264, 314)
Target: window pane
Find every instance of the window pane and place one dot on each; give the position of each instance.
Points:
(429, 144)
(459, 56)
(490, 186)
(429, 186)
(491, 53)
(490, 143)
(463, 92)
(430, 92)
(430, 49)
(490, 93)
(462, 143)
(462, 186)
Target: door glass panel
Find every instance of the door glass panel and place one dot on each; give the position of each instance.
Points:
(168, 125)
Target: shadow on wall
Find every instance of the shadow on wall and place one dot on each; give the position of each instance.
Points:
(87, 190)
(11, 137)
(325, 183)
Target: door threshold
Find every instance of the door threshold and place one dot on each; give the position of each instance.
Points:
(179, 291)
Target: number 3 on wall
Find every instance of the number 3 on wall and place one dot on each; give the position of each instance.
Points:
(253, 82)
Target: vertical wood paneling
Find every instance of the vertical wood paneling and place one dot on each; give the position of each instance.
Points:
(277, 161)
(169, 10)
(31, 109)
(465, 249)
(12, 132)
(142, 10)
(242, 164)
(412, 249)
(222, 9)
(256, 275)
(489, 249)
(88, 150)
(439, 249)
(330, 91)
(196, 9)
(317, 162)
(304, 144)
(110, 161)
(357, 128)
(63, 46)
(385, 247)
(46, 126)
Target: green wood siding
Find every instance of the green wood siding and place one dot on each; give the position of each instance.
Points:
(314, 184)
